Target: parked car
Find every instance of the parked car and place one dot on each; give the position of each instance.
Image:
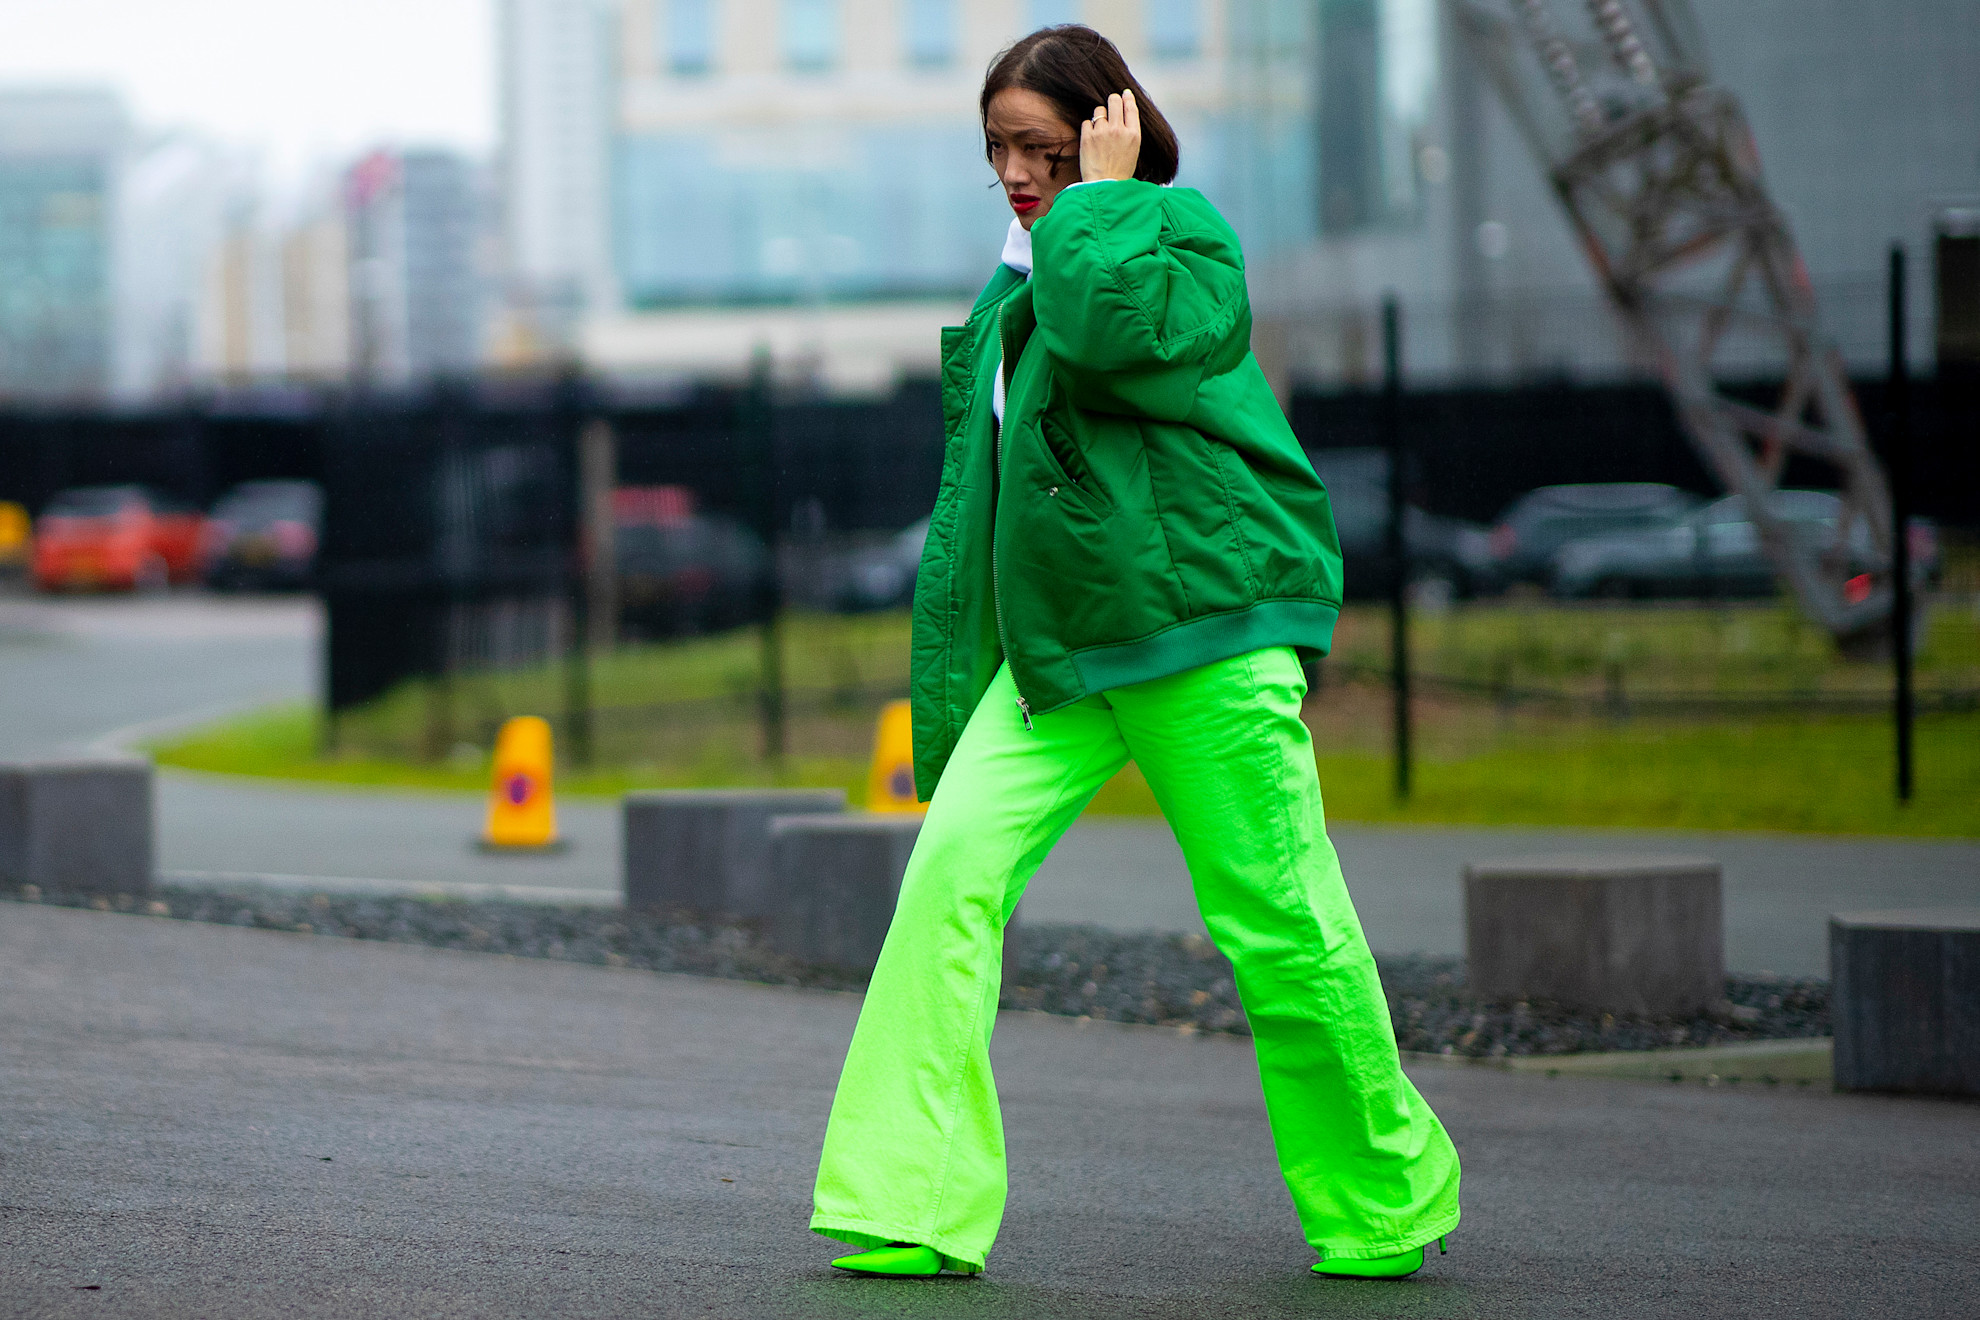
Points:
(684, 572)
(882, 577)
(1534, 527)
(1716, 551)
(262, 535)
(117, 537)
(1446, 555)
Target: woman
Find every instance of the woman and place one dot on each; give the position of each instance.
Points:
(1128, 557)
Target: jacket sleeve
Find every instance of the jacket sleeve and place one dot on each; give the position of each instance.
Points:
(1139, 292)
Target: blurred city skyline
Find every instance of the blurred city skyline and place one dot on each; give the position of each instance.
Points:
(223, 194)
(301, 87)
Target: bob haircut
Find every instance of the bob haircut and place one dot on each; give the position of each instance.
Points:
(1076, 69)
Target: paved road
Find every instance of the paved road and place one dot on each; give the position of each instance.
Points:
(214, 825)
(1126, 874)
(209, 1121)
(74, 672)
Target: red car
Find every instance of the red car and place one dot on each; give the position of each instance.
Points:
(120, 538)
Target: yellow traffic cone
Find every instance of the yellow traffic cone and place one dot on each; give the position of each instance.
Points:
(890, 783)
(520, 812)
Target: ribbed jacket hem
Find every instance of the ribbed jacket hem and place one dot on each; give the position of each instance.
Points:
(1305, 624)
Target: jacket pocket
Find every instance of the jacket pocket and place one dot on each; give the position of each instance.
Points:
(1062, 448)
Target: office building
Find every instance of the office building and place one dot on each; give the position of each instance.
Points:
(557, 88)
(181, 310)
(1864, 118)
(811, 154)
(316, 295)
(784, 169)
(415, 224)
(61, 154)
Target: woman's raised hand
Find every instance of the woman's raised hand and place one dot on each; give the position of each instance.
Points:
(1110, 142)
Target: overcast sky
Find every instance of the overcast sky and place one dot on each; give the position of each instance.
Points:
(306, 79)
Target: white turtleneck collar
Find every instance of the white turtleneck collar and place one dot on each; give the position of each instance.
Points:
(1017, 248)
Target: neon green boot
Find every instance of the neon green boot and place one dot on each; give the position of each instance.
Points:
(899, 1259)
(1399, 1266)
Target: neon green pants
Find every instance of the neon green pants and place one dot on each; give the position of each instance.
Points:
(914, 1151)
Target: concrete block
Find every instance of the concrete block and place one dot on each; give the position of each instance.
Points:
(1904, 993)
(76, 826)
(835, 879)
(1620, 933)
(709, 849)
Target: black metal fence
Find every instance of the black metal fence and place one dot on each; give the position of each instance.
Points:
(452, 527)
(449, 535)
(873, 465)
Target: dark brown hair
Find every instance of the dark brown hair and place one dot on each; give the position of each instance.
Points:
(1076, 69)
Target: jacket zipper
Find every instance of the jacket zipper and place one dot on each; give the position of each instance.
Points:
(997, 466)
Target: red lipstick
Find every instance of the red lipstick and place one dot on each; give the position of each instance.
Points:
(1023, 203)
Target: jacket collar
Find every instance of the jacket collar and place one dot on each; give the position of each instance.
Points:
(1017, 248)
(1001, 283)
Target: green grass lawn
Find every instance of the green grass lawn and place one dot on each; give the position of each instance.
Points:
(285, 742)
(682, 714)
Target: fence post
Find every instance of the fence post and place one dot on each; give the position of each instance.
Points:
(1398, 541)
(453, 413)
(760, 439)
(1897, 457)
(598, 470)
(571, 405)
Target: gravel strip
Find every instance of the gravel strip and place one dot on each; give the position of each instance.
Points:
(1178, 981)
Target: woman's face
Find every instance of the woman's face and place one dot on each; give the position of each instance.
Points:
(1035, 153)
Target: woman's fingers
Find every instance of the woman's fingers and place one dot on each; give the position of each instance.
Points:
(1110, 142)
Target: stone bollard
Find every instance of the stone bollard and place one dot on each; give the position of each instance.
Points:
(835, 879)
(709, 849)
(76, 826)
(1616, 933)
(1904, 993)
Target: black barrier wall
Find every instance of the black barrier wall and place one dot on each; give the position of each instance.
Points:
(449, 535)
(873, 466)
(451, 526)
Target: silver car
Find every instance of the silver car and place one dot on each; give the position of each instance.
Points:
(1714, 551)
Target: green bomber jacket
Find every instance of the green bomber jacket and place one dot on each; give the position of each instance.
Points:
(1144, 508)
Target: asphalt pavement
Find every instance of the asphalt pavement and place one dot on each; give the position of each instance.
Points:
(207, 1121)
(76, 671)
(97, 673)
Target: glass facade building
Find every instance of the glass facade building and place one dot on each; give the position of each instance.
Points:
(687, 34)
(901, 210)
(61, 152)
(55, 295)
(930, 36)
(843, 172)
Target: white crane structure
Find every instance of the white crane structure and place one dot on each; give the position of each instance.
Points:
(1658, 173)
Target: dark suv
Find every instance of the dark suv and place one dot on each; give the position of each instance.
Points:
(1535, 526)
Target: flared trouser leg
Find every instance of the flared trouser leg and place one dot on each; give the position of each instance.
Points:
(1370, 1168)
(914, 1151)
